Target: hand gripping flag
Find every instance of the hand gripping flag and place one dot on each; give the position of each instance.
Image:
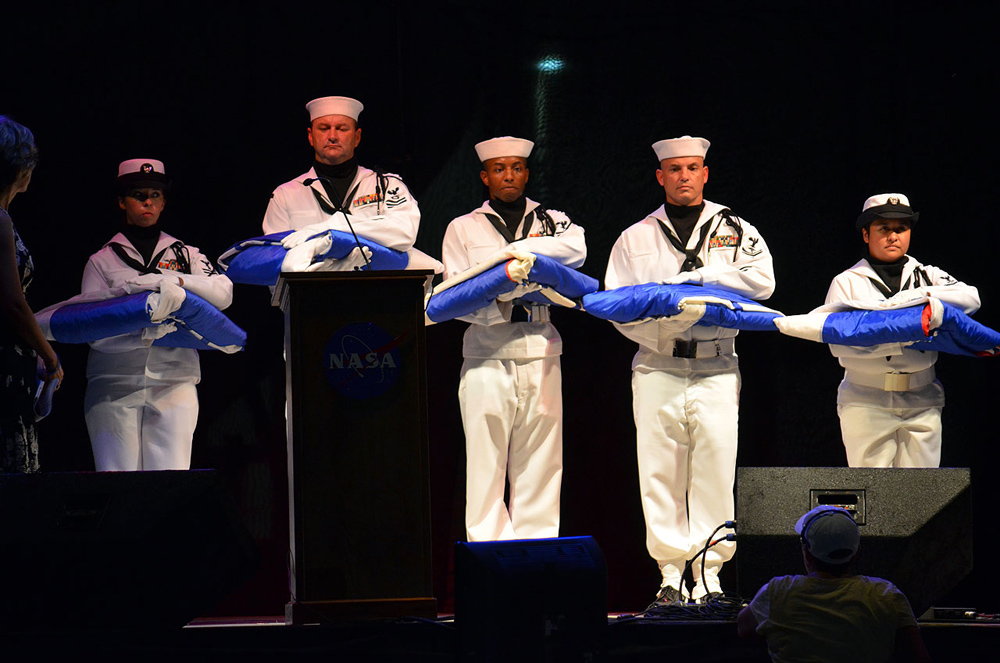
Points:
(509, 274)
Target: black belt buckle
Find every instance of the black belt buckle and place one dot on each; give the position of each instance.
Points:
(685, 349)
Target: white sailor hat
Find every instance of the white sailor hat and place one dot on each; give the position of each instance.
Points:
(504, 146)
(830, 533)
(334, 106)
(886, 206)
(685, 146)
(148, 173)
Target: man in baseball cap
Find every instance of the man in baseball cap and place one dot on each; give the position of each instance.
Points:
(685, 384)
(831, 614)
(890, 401)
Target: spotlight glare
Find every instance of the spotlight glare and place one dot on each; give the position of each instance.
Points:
(550, 64)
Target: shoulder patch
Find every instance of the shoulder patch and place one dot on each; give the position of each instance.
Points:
(750, 247)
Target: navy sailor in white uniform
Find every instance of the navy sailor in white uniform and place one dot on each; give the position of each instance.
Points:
(890, 401)
(686, 384)
(379, 205)
(511, 387)
(141, 405)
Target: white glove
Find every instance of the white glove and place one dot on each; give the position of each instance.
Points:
(300, 258)
(150, 282)
(683, 277)
(520, 291)
(305, 234)
(345, 264)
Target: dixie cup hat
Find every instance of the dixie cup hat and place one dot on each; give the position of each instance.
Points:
(685, 146)
(504, 146)
(886, 206)
(334, 106)
(830, 533)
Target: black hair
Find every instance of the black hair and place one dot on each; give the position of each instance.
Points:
(18, 152)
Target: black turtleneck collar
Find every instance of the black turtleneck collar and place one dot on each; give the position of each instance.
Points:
(891, 273)
(339, 175)
(346, 170)
(511, 213)
(143, 239)
(683, 219)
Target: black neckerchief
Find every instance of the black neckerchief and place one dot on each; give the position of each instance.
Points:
(150, 264)
(143, 239)
(511, 213)
(340, 177)
(683, 219)
(691, 259)
(892, 272)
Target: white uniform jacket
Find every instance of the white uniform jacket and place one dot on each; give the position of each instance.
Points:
(643, 254)
(471, 239)
(126, 354)
(381, 208)
(857, 284)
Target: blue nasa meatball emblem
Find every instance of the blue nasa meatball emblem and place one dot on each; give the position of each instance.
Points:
(362, 360)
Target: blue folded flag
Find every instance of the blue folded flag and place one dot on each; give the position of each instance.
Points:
(200, 325)
(258, 260)
(705, 306)
(480, 290)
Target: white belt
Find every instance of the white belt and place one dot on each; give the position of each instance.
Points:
(892, 381)
(702, 349)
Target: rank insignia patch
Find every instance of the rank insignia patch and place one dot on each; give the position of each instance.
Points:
(750, 248)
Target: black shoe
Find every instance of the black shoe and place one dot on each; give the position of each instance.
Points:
(709, 598)
(668, 597)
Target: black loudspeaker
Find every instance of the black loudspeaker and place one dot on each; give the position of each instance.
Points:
(531, 600)
(117, 550)
(916, 524)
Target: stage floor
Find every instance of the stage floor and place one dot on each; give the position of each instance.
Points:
(632, 639)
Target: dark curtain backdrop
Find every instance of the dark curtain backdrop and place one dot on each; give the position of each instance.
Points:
(809, 110)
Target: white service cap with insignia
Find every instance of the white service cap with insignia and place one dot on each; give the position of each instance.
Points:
(886, 206)
(504, 146)
(334, 106)
(685, 146)
(143, 173)
(141, 166)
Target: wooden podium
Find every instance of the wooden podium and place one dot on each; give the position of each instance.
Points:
(356, 399)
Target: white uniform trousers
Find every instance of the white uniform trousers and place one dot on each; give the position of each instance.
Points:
(512, 415)
(902, 437)
(137, 423)
(686, 425)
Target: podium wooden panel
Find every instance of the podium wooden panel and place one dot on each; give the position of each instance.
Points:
(356, 399)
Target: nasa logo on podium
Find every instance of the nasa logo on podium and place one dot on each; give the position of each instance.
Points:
(361, 360)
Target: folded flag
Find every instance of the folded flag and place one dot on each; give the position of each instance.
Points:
(928, 325)
(260, 260)
(508, 274)
(687, 304)
(172, 317)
